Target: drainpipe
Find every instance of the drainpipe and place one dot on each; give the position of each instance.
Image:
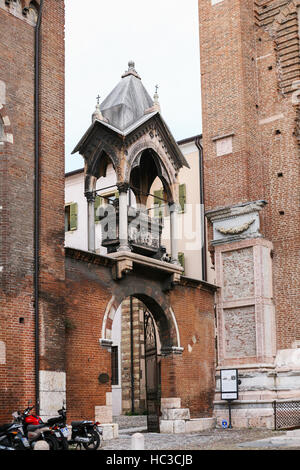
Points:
(37, 201)
(202, 209)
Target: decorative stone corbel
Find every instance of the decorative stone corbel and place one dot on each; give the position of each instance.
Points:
(172, 280)
(121, 268)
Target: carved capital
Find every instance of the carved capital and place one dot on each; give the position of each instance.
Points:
(90, 196)
(123, 187)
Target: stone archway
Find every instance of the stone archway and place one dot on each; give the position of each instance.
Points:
(136, 367)
(183, 311)
(163, 314)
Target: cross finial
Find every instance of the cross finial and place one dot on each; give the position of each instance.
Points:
(98, 99)
(156, 88)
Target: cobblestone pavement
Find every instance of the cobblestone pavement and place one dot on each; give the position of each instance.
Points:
(216, 439)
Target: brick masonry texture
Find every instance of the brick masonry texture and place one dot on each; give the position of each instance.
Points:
(249, 58)
(89, 288)
(17, 200)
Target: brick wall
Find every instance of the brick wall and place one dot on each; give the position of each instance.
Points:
(249, 59)
(90, 288)
(17, 200)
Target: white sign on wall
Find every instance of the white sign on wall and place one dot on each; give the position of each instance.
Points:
(229, 384)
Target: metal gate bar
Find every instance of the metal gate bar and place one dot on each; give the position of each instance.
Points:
(286, 414)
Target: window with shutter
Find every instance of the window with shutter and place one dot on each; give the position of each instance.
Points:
(158, 202)
(182, 197)
(181, 260)
(73, 216)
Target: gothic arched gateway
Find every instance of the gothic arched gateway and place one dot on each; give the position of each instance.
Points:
(184, 315)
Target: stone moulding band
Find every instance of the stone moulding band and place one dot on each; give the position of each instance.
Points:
(105, 343)
(171, 350)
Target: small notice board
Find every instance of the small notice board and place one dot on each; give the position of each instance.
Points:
(229, 384)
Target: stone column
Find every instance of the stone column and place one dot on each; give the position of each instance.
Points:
(123, 217)
(90, 196)
(173, 233)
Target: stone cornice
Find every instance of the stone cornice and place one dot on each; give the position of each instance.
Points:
(235, 210)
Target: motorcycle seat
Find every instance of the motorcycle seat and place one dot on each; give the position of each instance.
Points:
(52, 421)
(34, 427)
(78, 423)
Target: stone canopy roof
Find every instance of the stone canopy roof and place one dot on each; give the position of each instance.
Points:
(126, 109)
(128, 102)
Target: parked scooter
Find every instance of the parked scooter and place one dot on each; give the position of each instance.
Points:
(84, 433)
(35, 429)
(12, 437)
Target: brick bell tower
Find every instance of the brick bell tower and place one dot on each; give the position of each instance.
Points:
(250, 72)
(32, 364)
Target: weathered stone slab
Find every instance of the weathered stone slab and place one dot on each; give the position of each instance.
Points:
(108, 432)
(166, 427)
(103, 414)
(179, 426)
(170, 403)
(201, 424)
(175, 413)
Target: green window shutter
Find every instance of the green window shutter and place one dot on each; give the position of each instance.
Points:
(158, 196)
(73, 216)
(182, 196)
(97, 204)
(181, 260)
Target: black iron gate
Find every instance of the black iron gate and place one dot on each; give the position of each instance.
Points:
(152, 374)
(286, 414)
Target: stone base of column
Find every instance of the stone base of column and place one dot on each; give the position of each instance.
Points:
(176, 420)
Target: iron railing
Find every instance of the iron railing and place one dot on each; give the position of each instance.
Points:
(286, 414)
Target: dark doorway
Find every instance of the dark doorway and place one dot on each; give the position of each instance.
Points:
(152, 369)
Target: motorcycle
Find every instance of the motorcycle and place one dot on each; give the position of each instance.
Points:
(12, 437)
(84, 433)
(35, 429)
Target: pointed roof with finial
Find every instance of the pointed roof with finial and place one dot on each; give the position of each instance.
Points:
(127, 108)
(128, 101)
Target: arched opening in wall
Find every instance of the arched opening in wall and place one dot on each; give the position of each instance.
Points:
(136, 354)
(107, 196)
(135, 360)
(150, 184)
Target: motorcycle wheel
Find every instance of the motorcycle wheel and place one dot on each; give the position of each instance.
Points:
(94, 441)
(53, 444)
(63, 444)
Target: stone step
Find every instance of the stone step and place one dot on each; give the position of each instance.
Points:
(293, 433)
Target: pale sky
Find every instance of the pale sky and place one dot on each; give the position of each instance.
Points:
(160, 36)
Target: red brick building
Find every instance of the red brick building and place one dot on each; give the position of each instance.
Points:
(32, 175)
(58, 306)
(250, 67)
